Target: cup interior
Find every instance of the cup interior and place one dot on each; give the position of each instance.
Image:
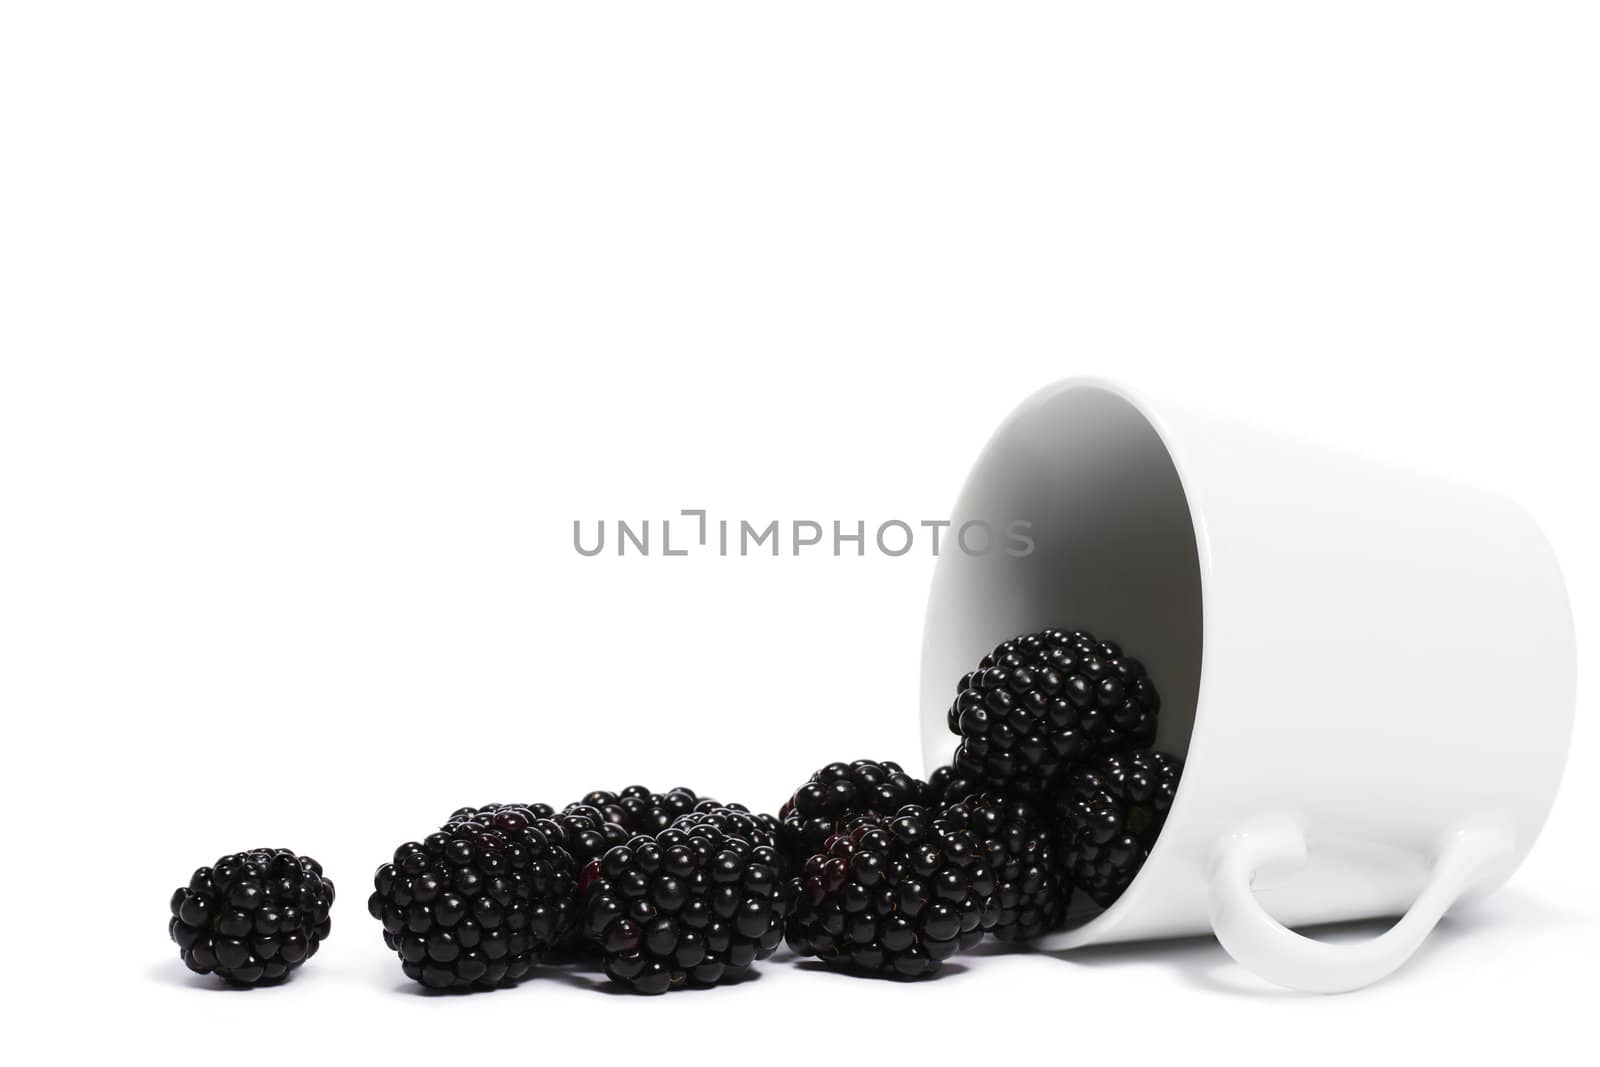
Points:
(1115, 553)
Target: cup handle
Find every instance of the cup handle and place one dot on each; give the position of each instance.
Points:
(1278, 954)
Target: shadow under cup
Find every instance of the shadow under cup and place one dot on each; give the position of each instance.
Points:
(1113, 551)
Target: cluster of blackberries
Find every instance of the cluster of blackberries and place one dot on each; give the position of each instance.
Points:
(1068, 719)
(897, 890)
(1052, 788)
(662, 889)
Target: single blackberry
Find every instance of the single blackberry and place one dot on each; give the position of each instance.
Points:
(1039, 703)
(693, 903)
(892, 895)
(474, 905)
(1030, 897)
(252, 917)
(820, 808)
(946, 785)
(1108, 817)
(642, 812)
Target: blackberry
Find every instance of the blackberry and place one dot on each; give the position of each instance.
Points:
(252, 917)
(1108, 817)
(820, 808)
(694, 903)
(1030, 897)
(1039, 703)
(475, 904)
(892, 895)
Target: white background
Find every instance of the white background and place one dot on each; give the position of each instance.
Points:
(322, 322)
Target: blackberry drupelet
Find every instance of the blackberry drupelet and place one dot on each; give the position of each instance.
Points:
(474, 905)
(1030, 896)
(820, 808)
(892, 895)
(252, 917)
(693, 903)
(1042, 702)
(1108, 817)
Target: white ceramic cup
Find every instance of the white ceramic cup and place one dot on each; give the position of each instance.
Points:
(1369, 672)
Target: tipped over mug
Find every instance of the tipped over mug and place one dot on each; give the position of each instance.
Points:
(1369, 672)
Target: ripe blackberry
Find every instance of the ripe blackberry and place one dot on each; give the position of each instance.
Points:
(1039, 703)
(474, 905)
(641, 811)
(1108, 817)
(693, 903)
(252, 917)
(892, 895)
(820, 808)
(1030, 897)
